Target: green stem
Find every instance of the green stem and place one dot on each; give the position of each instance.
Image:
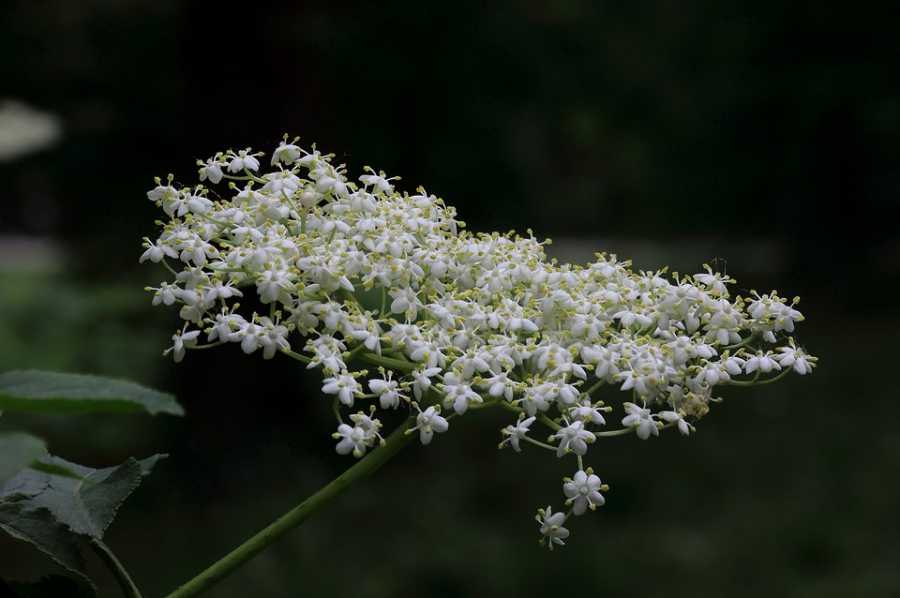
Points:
(296, 516)
(129, 589)
(610, 433)
(297, 356)
(757, 382)
(589, 392)
(389, 362)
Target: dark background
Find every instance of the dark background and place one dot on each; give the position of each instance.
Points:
(762, 135)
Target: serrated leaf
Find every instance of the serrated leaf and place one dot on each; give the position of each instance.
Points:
(85, 502)
(17, 451)
(40, 391)
(53, 586)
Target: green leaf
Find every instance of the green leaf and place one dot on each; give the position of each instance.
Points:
(17, 451)
(53, 586)
(52, 511)
(85, 502)
(35, 390)
(40, 528)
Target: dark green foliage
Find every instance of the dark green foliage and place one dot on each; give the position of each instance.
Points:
(34, 390)
(54, 512)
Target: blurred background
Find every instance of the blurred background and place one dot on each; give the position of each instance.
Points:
(761, 135)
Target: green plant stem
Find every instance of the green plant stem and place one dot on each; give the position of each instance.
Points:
(389, 362)
(296, 516)
(757, 382)
(129, 589)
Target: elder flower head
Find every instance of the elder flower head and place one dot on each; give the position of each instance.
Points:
(341, 273)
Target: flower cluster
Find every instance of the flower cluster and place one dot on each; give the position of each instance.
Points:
(348, 274)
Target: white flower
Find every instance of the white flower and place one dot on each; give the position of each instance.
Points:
(272, 337)
(212, 170)
(181, 341)
(734, 365)
(166, 294)
(243, 160)
(378, 181)
(641, 420)
(458, 394)
(672, 417)
(225, 327)
(715, 282)
(713, 373)
(422, 380)
(500, 386)
(587, 412)
(286, 153)
(405, 302)
(156, 253)
(428, 422)
(573, 437)
(344, 386)
(359, 437)
(763, 362)
(583, 491)
(792, 357)
(537, 398)
(552, 530)
(515, 433)
(388, 391)
(352, 439)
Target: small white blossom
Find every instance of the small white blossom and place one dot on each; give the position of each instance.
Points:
(428, 422)
(583, 491)
(674, 417)
(458, 394)
(344, 386)
(587, 412)
(764, 362)
(515, 433)
(181, 341)
(792, 357)
(358, 438)
(285, 153)
(573, 437)
(243, 160)
(552, 530)
(388, 391)
(156, 252)
(212, 170)
(422, 380)
(641, 420)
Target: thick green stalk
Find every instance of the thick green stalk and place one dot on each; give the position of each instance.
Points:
(293, 518)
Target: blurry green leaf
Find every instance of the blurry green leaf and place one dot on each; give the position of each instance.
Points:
(47, 465)
(54, 586)
(17, 451)
(35, 390)
(85, 504)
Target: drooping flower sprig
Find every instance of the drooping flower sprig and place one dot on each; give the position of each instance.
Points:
(400, 307)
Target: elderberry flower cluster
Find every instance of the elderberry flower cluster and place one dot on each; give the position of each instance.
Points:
(401, 308)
